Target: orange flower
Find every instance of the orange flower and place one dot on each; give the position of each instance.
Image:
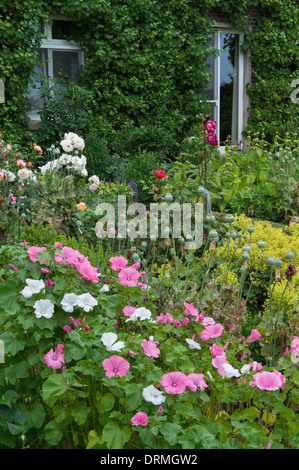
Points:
(81, 206)
(29, 164)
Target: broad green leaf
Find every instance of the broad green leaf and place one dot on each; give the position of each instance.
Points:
(6, 440)
(53, 388)
(170, 432)
(37, 415)
(94, 441)
(114, 436)
(80, 413)
(53, 434)
(105, 402)
(9, 297)
(133, 395)
(17, 371)
(12, 345)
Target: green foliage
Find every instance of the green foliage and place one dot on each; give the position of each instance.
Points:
(138, 169)
(20, 38)
(99, 160)
(45, 235)
(274, 45)
(63, 109)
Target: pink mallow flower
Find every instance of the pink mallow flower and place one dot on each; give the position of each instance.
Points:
(116, 365)
(217, 350)
(150, 348)
(128, 311)
(211, 331)
(196, 380)
(88, 271)
(55, 359)
(268, 380)
(118, 263)
(164, 318)
(190, 309)
(217, 362)
(174, 382)
(129, 277)
(295, 346)
(208, 321)
(33, 250)
(139, 418)
(254, 336)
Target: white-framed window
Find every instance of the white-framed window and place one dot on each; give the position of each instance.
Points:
(58, 57)
(226, 88)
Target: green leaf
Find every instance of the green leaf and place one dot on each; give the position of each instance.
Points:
(6, 440)
(133, 395)
(53, 388)
(8, 397)
(37, 415)
(170, 432)
(80, 413)
(53, 434)
(17, 371)
(9, 297)
(94, 441)
(114, 436)
(105, 402)
(12, 345)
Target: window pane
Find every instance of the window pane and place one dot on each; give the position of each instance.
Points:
(61, 29)
(228, 86)
(40, 70)
(65, 63)
(211, 90)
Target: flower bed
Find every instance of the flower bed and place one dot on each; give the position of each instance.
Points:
(125, 344)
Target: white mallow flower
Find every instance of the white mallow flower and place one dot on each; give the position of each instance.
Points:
(68, 302)
(87, 302)
(141, 313)
(43, 308)
(105, 288)
(34, 286)
(109, 340)
(245, 369)
(153, 395)
(193, 344)
(230, 371)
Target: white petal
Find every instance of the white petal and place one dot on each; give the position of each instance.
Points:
(108, 339)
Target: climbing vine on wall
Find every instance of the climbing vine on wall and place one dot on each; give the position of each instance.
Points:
(146, 60)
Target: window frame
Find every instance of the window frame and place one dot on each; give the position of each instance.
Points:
(50, 44)
(218, 29)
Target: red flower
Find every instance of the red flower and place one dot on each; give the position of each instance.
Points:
(210, 126)
(212, 139)
(160, 174)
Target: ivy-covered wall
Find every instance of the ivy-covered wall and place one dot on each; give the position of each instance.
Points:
(145, 61)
